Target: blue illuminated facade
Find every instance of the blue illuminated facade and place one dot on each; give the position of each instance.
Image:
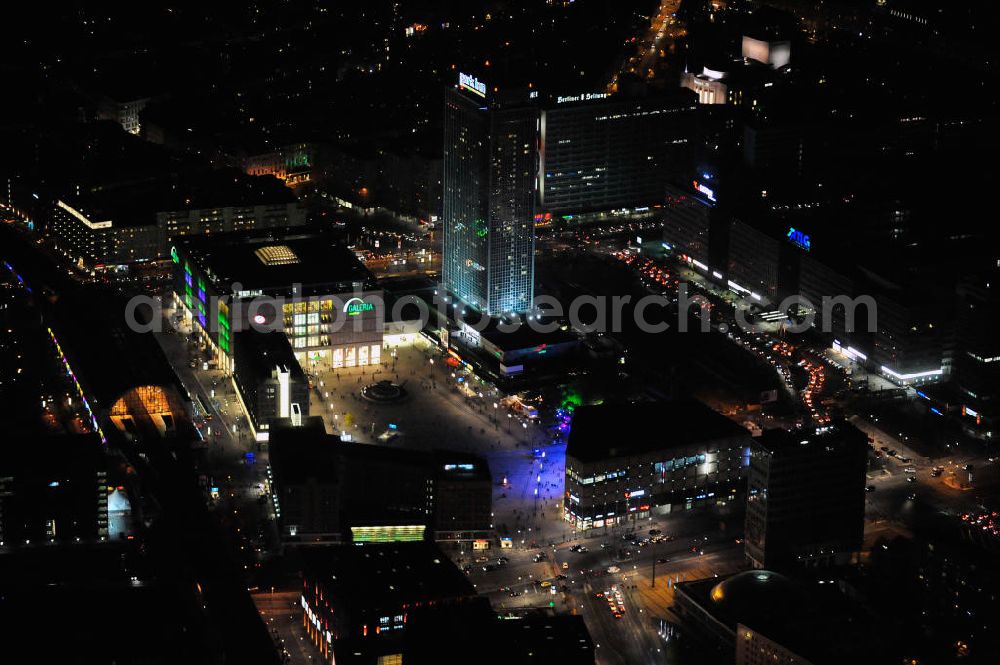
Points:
(490, 169)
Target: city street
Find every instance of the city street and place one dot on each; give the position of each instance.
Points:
(524, 583)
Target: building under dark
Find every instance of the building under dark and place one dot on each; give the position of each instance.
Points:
(268, 378)
(328, 490)
(54, 490)
(806, 497)
(628, 461)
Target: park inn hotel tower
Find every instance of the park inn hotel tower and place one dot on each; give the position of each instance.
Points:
(490, 172)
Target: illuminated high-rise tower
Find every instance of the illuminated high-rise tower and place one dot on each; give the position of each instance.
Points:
(490, 171)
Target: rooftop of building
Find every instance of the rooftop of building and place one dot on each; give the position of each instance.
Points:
(34, 580)
(299, 454)
(539, 637)
(258, 353)
(276, 258)
(815, 621)
(135, 202)
(55, 457)
(638, 94)
(838, 434)
(384, 575)
(107, 356)
(620, 430)
(756, 598)
(524, 337)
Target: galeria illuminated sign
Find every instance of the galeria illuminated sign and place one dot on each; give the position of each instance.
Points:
(799, 238)
(472, 84)
(355, 306)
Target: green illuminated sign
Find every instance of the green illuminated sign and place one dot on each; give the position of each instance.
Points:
(355, 306)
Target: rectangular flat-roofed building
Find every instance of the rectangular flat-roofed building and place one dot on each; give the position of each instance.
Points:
(490, 167)
(601, 153)
(356, 600)
(806, 497)
(629, 461)
(306, 284)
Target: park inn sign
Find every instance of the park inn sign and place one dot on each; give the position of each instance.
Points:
(472, 84)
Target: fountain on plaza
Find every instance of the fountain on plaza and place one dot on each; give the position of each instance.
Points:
(383, 392)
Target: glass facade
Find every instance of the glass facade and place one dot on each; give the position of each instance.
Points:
(490, 168)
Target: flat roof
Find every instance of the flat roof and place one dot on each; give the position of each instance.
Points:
(524, 337)
(797, 441)
(276, 258)
(298, 454)
(54, 456)
(379, 575)
(136, 202)
(819, 623)
(620, 430)
(259, 352)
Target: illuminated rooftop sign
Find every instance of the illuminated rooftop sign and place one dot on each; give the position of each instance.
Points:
(707, 191)
(355, 306)
(585, 97)
(472, 84)
(799, 238)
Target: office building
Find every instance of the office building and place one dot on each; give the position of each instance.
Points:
(806, 497)
(490, 171)
(54, 490)
(269, 381)
(687, 225)
(326, 490)
(760, 617)
(601, 153)
(625, 462)
(753, 261)
(306, 284)
(117, 225)
(468, 631)
(357, 600)
(976, 364)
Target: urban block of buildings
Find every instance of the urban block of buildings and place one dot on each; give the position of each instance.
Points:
(625, 462)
